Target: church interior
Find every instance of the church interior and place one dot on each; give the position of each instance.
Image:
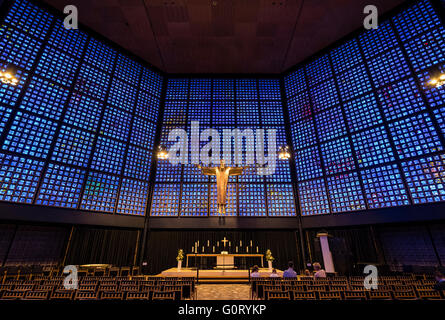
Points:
(222, 150)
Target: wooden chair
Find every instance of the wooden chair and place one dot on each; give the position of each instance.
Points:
(126, 288)
(317, 288)
(429, 295)
(110, 295)
(125, 272)
(12, 295)
(423, 287)
(277, 295)
(36, 295)
(24, 287)
(338, 287)
(62, 295)
(41, 287)
(137, 295)
(128, 283)
(108, 287)
(354, 295)
(85, 295)
(379, 295)
(161, 295)
(404, 295)
(331, 295)
(87, 287)
(300, 295)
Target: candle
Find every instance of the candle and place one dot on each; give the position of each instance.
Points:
(250, 242)
(193, 249)
(230, 244)
(240, 243)
(257, 249)
(208, 243)
(198, 243)
(202, 248)
(213, 249)
(236, 249)
(217, 243)
(247, 249)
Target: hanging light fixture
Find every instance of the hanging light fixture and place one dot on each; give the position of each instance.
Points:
(162, 153)
(437, 78)
(9, 76)
(284, 153)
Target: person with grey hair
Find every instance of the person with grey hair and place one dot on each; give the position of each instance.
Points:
(318, 271)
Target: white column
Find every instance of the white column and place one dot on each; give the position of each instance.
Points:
(327, 256)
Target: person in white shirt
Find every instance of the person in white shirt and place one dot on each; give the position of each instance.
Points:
(318, 271)
(274, 274)
(255, 272)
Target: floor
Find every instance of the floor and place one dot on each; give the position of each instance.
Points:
(223, 292)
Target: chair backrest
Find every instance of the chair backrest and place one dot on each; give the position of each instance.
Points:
(338, 287)
(36, 295)
(276, 295)
(62, 295)
(355, 295)
(316, 287)
(331, 295)
(12, 295)
(108, 287)
(429, 294)
(304, 295)
(85, 295)
(24, 287)
(161, 295)
(111, 295)
(137, 295)
(379, 295)
(131, 287)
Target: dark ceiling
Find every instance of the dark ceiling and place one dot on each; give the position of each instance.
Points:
(223, 36)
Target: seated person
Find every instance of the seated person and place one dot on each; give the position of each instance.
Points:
(307, 273)
(318, 271)
(274, 274)
(255, 272)
(440, 278)
(290, 273)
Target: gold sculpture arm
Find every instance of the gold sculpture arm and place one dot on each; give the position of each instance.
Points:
(208, 171)
(236, 171)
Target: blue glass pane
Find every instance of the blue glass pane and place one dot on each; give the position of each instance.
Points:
(20, 177)
(193, 174)
(147, 106)
(434, 95)
(269, 89)
(247, 113)
(127, 69)
(372, 147)
(303, 133)
(57, 66)
(415, 136)
(388, 67)
(353, 82)
(384, 187)
(318, 70)
(440, 117)
(73, 146)
(175, 112)
(400, 99)
(151, 82)
(116, 123)
(313, 197)
(165, 200)
(330, 124)
(18, 48)
(138, 163)
(29, 18)
(108, 155)
(375, 41)
(251, 200)
(324, 95)
(177, 89)
(122, 95)
(223, 89)
(271, 113)
(5, 113)
(231, 200)
(345, 193)
(427, 50)
(194, 200)
(337, 156)
(166, 172)
(281, 174)
(295, 82)
(299, 106)
(200, 89)
(92, 82)
(426, 178)
(415, 20)
(199, 111)
(132, 197)
(362, 112)
(100, 55)
(68, 40)
(346, 56)
(143, 133)
(30, 135)
(44, 98)
(280, 200)
(9, 94)
(308, 164)
(100, 192)
(61, 186)
(223, 113)
(249, 175)
(246, 89)
(83, 112)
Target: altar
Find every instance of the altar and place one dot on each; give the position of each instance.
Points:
(225, 260)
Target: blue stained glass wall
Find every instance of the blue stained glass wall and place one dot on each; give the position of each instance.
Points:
(77, 131)
(367, 130)
(223, 104)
